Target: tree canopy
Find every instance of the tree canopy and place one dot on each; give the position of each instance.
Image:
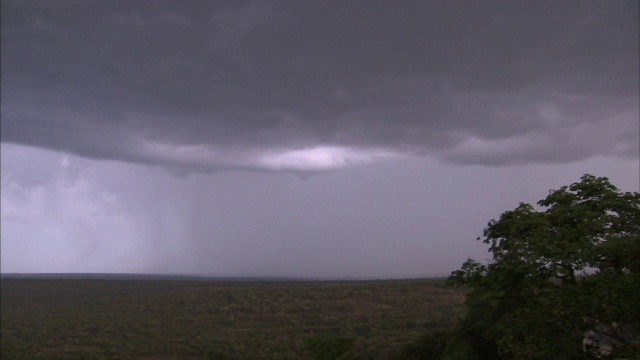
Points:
(563, 281)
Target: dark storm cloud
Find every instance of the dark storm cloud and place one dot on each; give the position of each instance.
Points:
(307, 85)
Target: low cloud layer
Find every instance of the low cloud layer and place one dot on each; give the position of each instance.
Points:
(400, 218)
(321, 85)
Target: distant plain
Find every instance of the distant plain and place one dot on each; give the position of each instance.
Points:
(129, 316)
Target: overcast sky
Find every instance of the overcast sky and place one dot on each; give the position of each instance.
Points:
(301, 138)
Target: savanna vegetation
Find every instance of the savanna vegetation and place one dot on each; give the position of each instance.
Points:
(188, 319)
(563, 282)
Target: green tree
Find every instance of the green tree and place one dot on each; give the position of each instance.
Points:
(568, 267)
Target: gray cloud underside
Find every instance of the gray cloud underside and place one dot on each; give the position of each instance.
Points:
(202, 86)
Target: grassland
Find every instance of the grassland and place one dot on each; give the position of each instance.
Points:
(215, 319)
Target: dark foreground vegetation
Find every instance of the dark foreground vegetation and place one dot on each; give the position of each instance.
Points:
(563, 283)
(189, 319)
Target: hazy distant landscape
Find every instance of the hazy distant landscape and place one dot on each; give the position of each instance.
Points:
(129, 316)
